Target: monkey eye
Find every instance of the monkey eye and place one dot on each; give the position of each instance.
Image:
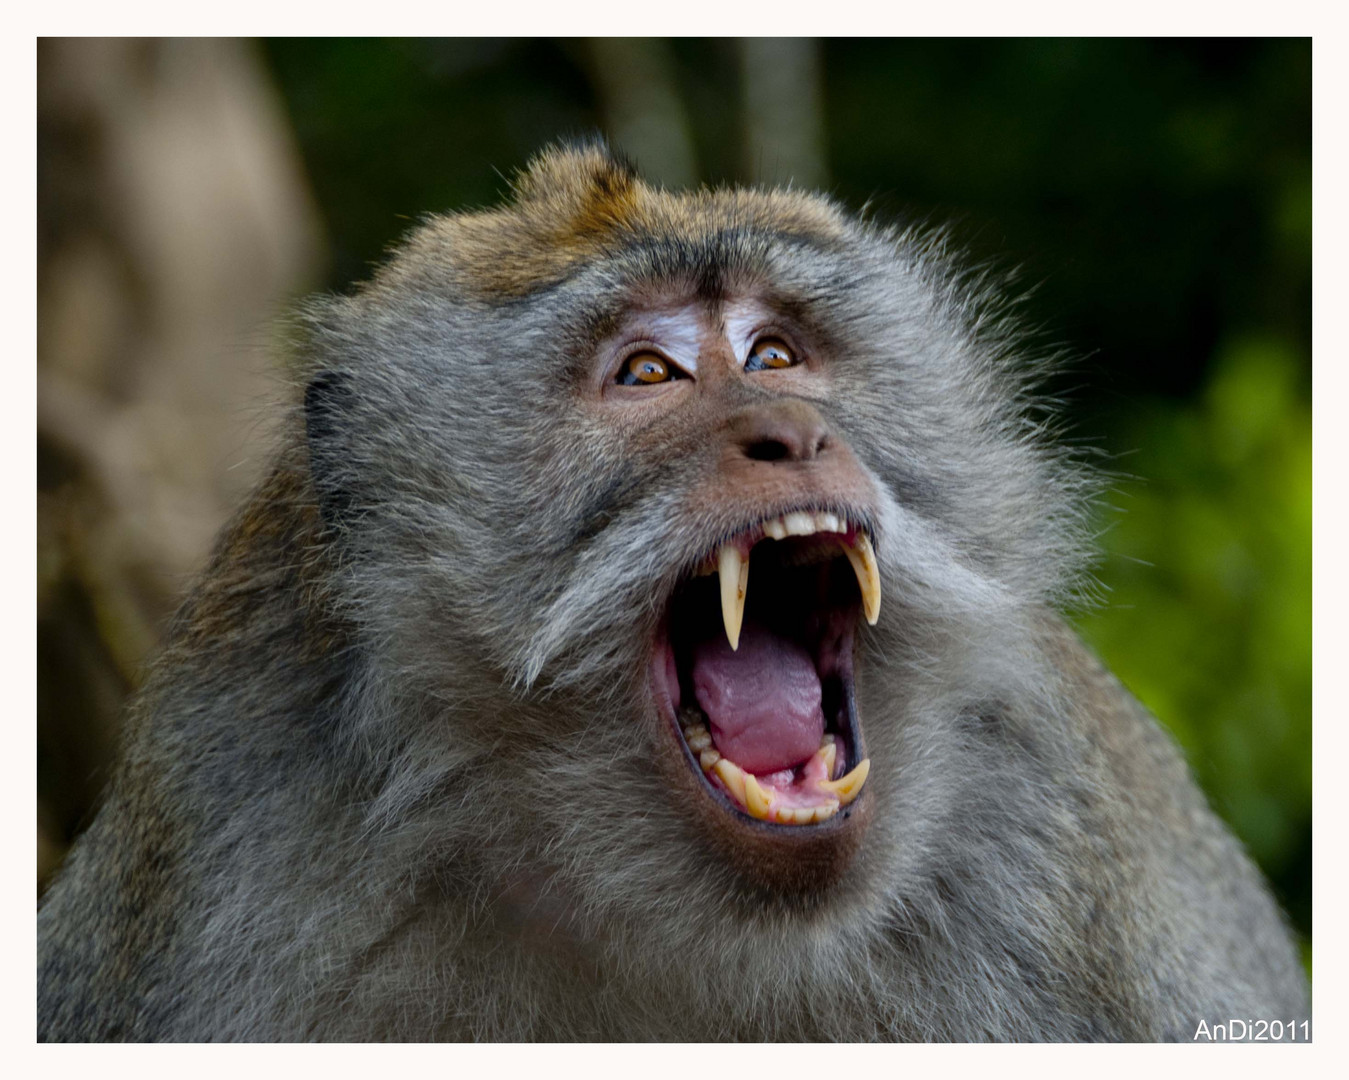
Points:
(646, 367)
(770, 352)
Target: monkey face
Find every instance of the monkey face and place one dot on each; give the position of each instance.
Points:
(619, 476)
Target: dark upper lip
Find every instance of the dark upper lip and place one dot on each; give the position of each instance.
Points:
(751, 528)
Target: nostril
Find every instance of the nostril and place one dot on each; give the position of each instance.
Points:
(768, 450)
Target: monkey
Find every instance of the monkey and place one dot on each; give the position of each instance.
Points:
(651, 629)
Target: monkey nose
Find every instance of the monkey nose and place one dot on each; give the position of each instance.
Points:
(781, 431)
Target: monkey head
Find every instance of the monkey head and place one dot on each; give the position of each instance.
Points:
(619, 478)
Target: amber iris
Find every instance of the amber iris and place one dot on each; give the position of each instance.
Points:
(769, 353)
(644, 367)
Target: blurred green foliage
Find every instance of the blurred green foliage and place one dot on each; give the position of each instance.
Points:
(1208, 617)
(1158, 196)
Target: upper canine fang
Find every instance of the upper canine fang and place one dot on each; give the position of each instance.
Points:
(862, 556)
(733, 569)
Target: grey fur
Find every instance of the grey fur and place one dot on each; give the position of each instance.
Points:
(387, 780)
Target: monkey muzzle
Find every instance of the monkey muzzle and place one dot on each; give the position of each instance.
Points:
(757, 675)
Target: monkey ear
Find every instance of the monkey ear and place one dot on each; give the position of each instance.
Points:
(328, 403)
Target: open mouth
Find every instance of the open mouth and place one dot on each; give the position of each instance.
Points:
(758, 681)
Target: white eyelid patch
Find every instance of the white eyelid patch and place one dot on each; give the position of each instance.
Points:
(743, 319)
(678, 334)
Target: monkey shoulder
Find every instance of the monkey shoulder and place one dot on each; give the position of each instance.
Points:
(1189, 906)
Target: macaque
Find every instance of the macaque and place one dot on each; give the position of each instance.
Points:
(649, 630)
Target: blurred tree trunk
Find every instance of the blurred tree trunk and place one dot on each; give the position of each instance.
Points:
(783, 89)
(173, 220)
(643, 111)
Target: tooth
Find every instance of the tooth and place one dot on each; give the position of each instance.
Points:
(806, 815)
(776, 529)
(708, 758)
(830, 752)
(827, 523)
(863, 558)
(698, 739)
(734, 571)
(756, 799)
(847, 787)
(799, 524)
(732, 776)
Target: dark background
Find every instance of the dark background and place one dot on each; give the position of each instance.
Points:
(1155, 196)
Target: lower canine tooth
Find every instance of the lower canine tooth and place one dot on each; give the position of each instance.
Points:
(847, 787)
(734, 571)
(756, 799)
(732, 776)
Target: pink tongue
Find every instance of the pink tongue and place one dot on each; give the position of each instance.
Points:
(763, 700)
